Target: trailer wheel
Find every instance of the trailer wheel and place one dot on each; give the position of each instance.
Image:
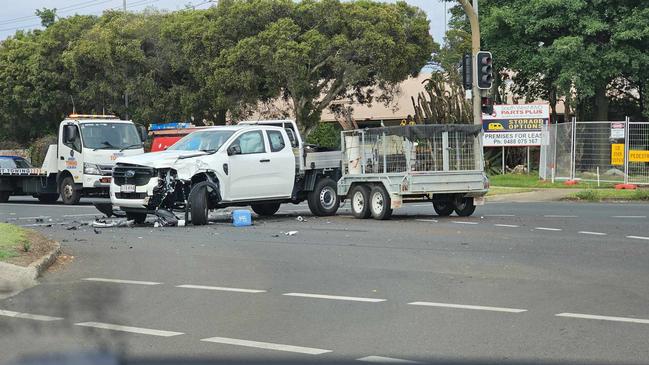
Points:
(464, 207)
(139, 218)
(323, 200)
(48, 198)
(198, 204)
(443, 208)
(265, 209)
(360, 201)
(380, 203)
(4, 196)
(69, 195)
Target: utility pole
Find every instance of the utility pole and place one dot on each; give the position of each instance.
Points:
(124, 5)
(472, 13)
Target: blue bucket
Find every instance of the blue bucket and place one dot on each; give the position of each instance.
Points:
(241, 218)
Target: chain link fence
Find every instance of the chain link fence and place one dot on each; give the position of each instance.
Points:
(598, 151)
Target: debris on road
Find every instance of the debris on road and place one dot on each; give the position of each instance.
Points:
(102, 223)
(300, 219)
(96, 231)
(165, 218)
(291, 233)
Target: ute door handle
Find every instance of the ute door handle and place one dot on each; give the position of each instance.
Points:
(264, 160)
(62, 158)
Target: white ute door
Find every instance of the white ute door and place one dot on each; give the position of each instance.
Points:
(281, 164)
(250, 170)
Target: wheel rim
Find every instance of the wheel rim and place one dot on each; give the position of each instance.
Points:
(358, 203)
(327, 197)
(377, 203)
(68, 192)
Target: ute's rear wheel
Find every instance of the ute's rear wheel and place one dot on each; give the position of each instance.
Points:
(464, 207)
(323, 200)
(48, 198)
(69, 194)
(265, 209)
(380, 203)
(360, 201)
(139, 218)
(443, 208)
(4, 196)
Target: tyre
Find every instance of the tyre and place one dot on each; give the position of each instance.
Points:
(4, 196)
(380, 203)
(198, 204)
(464, 207)
(443, 208)
(48, 198)
(323, 200)
(69, 195)
(139, 218)
(360, 201)
(265, 209)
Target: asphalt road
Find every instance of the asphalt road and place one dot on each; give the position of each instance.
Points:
(552, 282)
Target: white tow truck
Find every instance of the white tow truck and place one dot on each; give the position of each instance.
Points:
(262, 164)
(81, 162)
(266, 163)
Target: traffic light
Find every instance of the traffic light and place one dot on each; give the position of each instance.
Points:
(485, 70)
(487, 106)
(467, 72)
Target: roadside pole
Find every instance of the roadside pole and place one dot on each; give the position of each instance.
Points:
(472, 14)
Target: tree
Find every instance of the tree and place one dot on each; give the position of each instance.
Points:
(48, 16)
(330, 50)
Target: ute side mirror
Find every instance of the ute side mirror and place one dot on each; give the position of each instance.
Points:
(234, 150)
(143, 133)
(69, 133)
(291, 137)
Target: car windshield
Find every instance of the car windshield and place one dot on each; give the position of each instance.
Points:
(110, 136)
(13, 163)
(202, 141)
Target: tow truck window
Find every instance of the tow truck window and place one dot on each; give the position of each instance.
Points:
(276, 141)
(202, 141)
(250, 142)
(75, 144)
(110, 136)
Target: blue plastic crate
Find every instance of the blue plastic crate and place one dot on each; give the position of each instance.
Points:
(241, 218)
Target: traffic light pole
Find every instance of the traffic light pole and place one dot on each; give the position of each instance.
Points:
(472, 14)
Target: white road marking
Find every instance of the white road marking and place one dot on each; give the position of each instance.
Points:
(119, 281)
(335, 297)
(39, 217)
(638, 237)
(630, 216)
(220, 288)
(386, 360)
(547, 229)
(560, 216)
(461, 222)
(603, 318)
(35, 317)
(116, 327)
(420, 205)
(593, 233)
(427, 220)
(474, 307)
(266, 345)
(44, 224)
(82, 215)
(506, 225)
(500, 215)
(48, 205)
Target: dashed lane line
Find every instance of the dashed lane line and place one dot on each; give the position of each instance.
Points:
(427, 220)
(560, 216)
(548, 229)
(48, 205)
(119, 281)
(35, 317)
(592, 233)
(462, 222)
(472, 307)
(638, 238)
(335, 297)
(603, 318)
(37, 217)
(82, 215)
(506, 225)
(140, 330)
(500, 215)
(220, 288)
(266, 345)
(386, 360)
(630, 216)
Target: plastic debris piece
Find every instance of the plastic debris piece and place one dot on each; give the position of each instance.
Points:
(291, 233)
(300, 219)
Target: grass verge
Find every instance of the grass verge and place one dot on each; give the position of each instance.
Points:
(499, 190)
(610, 194)
(12, 239)
(533, 181)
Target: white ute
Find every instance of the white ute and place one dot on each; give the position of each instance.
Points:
(262, 164)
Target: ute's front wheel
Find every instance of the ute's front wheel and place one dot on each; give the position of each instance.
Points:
(198, 204)
(323, 200)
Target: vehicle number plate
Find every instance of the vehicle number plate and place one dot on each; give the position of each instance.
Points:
(128, 188)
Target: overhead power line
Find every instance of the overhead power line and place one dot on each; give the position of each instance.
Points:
(72, 7)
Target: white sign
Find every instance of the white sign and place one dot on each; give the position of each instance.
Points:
(519, 111)
(497, 139)
(617, 130)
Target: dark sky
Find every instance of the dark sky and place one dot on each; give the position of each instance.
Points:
(20, 14)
